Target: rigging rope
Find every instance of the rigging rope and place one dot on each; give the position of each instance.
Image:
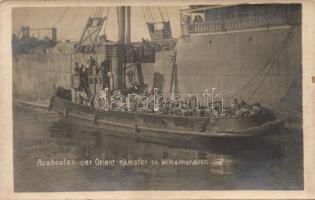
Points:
(70, 26)
(79, 29)
(93, 12)
(150, 13)
(63, 14)
(264, 67)
(162, 17)
(166, 13)
(102, 12)
(99, 12)
(105, 25)
(145, 16)
(271, 66)
(259, 84)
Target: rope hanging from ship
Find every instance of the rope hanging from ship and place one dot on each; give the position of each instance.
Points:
(151, 18)
(269, 64)
(95, 13)
(61, 16)
(91, 31)
(158, 25)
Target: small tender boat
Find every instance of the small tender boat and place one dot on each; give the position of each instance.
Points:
(111, 76)
(164, 126)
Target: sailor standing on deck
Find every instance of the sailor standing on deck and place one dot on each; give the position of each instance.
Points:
(105, 67)
(76, 68)
(84, 78)
(81, 77)
(234, 107)
(92, 63)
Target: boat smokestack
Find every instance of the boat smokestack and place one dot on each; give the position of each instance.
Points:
(128, 25)
(116, 66)
(118, 50)
(121, 25)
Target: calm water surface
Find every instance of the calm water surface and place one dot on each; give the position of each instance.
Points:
(274, 163)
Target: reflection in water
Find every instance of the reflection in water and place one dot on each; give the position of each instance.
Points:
(221, 166)
(271, 163)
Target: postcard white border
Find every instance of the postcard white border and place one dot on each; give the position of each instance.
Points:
(6, 139)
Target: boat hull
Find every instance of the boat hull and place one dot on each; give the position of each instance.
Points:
(167, 126)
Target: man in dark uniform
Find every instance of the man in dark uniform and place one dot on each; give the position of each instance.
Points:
(105, 67)
(81, 77)
(76, 68)
(92, 63)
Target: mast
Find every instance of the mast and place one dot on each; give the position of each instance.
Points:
(118, 54)
(128, 25)
(121, 25)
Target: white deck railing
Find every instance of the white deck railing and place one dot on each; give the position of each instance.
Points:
(244, 23)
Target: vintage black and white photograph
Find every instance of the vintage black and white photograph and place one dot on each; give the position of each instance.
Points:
(157, 98)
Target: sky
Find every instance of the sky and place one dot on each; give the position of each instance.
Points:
(70, 21)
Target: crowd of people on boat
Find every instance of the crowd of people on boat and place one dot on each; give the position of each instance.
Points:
(92, 68)
(244, 109)
(145, 102)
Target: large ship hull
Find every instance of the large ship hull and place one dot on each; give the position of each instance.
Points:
(226, 61)
(166, 126)
(256, 65)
